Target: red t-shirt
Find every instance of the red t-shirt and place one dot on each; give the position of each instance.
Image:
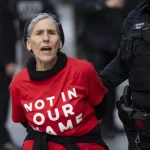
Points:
(59, 105)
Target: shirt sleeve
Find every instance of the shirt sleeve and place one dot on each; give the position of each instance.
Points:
(95, 88)
(18, 114)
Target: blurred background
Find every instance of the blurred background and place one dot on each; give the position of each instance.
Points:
(92, 30)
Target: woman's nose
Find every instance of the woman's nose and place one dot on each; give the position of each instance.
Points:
(46, 37)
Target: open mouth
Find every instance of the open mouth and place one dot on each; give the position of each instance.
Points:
(46, 48)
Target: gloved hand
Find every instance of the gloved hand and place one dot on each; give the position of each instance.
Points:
(125, 114)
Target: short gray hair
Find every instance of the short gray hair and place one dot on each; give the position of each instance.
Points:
(39, 17)
(32, 21)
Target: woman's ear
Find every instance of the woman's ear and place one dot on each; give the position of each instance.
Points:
(28, 43)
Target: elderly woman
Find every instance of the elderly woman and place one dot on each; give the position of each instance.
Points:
(58, 99)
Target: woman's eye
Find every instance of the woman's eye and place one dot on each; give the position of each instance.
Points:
(52, 32)
(38, 33)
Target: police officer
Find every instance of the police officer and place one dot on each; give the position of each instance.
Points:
(133, 63)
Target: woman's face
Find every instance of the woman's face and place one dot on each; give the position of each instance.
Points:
(44, 40)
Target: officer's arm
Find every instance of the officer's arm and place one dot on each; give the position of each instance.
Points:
(114, 73)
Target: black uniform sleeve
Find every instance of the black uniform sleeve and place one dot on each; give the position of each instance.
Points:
(116, 71)
(90, 6)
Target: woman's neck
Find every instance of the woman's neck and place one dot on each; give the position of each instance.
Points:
(40, 66)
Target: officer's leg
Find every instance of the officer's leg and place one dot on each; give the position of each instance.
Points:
(4, 105)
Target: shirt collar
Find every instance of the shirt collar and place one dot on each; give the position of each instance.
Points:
(41, 75)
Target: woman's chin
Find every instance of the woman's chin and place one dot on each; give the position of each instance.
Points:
(46, 59)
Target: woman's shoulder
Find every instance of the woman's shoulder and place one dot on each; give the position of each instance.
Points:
(20, 76)
(80, 63)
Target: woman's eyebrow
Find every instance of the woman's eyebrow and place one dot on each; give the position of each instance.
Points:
(38, 31)
(41, 30)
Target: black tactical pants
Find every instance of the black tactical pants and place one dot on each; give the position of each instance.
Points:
(131, 136)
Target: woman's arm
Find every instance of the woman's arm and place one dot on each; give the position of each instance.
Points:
(18, 114)
(96, 92)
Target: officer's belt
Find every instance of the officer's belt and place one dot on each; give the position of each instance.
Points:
(142, 122)
(69, 142)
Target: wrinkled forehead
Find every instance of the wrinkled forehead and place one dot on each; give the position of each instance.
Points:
(45, 24)
(42, 22)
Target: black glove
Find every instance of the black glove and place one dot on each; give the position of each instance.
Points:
(125, 114)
